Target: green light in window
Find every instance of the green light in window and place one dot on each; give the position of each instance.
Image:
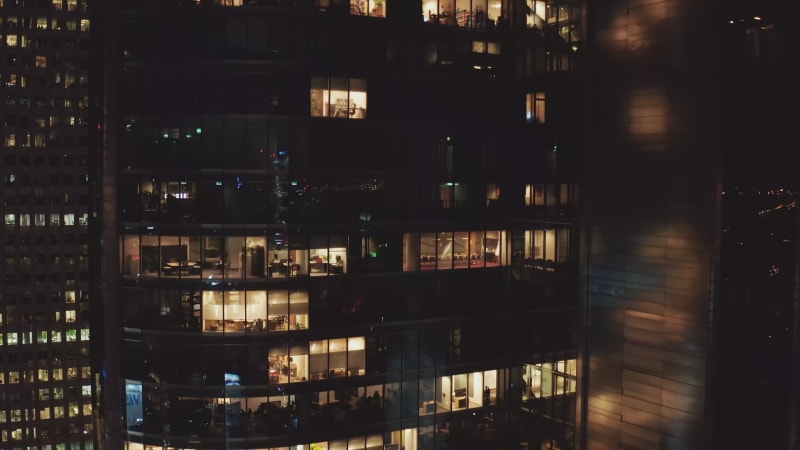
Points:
(166, 135)
(219, 183)
(198, 130)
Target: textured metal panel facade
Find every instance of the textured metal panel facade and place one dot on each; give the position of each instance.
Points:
(653, 215)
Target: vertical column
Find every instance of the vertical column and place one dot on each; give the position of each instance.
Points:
(653, 184)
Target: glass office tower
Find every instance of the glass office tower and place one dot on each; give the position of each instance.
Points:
(340, 224)
(45, 368)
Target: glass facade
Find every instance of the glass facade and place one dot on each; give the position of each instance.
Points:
(282, 278)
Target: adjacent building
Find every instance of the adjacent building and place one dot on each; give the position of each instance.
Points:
(46, 381)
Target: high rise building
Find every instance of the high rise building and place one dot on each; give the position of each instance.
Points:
(340, 224)
(46, 386)
(352, 224)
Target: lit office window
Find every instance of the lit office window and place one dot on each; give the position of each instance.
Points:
(535, 107)
(229, 2)
(342, 98)
(476, 14)
(41, 62)
(454, 250)
(547, 379)
(58, 5)
(545, 247)
(534, 195)
(372, 8)
(492, 48)
(84, 24)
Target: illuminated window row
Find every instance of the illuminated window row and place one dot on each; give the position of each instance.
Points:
(38, 122)
(253, 311)
(220, 257)
(55, 412)
(475, 14)
(47, 23)
(23, 41)
(256, 415)
(42, 219)
(30, 337)
(38, 140)
(55, 374)
(67, 81)
(409, 438)
(70, 5)
(454, 250)
(70, 373)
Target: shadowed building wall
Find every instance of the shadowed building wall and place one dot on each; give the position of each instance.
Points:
(652, 151)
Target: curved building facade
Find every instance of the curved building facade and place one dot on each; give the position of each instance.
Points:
(340, 224)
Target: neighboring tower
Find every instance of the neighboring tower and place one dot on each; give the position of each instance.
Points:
(45, 374)
(652, 144)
